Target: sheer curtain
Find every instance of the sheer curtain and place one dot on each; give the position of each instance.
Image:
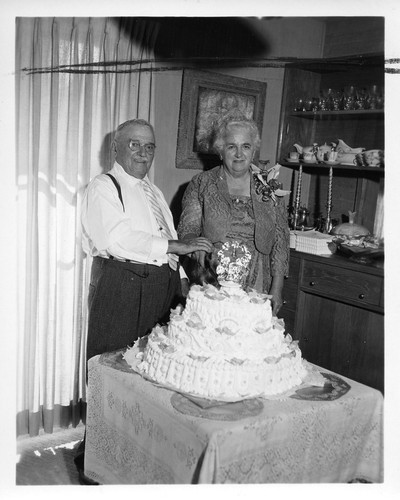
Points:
(76, 80)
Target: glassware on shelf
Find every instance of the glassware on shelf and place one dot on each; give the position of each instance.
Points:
(326, 101)
(315, 104)
(337, 100)
(373, 94)
(331, 100)
(323, 103)
(350, 98)
(361, 99)
(308, 104)
(380, 102)
(299, 104)
(375, 97)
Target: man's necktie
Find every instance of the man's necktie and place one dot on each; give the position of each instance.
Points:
(172, 258)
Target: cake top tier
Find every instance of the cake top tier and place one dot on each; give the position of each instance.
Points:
(233, 262)
(227, 294)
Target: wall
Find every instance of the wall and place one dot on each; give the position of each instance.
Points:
(362, 36)
(166, 175)
(288, 37)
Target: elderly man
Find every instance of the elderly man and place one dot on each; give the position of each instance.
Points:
(128, 229)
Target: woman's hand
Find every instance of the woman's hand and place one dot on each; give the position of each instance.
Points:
(276, 302)
(200, 257)
(276, 292)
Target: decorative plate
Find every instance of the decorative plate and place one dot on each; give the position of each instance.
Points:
(327, 162)
(216, 410)
(334, 388)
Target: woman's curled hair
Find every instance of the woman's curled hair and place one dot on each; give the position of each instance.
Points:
(233, 117)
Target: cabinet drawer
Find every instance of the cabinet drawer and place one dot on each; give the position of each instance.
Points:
(344, 283)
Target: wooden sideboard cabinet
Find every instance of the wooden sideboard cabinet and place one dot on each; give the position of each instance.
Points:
(335, 308)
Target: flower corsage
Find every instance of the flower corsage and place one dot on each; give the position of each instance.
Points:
(266, 184)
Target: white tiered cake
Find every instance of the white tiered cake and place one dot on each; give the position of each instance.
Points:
(224, 345)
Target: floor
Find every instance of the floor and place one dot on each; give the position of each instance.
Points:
(48, 459)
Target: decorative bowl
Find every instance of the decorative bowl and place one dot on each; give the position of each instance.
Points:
(346, 158)
(350, 229)
(373, 157)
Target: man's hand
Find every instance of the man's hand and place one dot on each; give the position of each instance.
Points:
(183, 247)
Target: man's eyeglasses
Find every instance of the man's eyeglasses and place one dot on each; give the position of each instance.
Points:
(135, 146)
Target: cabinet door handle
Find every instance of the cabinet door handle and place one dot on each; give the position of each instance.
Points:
(305, 339)
(361, 296)
(312, 283)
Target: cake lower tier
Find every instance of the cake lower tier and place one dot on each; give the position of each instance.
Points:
(223, 380)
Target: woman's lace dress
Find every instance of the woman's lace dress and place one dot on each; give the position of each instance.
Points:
(242, 229)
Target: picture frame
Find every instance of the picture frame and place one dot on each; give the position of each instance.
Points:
(205, 95)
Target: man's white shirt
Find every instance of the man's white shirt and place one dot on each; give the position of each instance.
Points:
(134, 234)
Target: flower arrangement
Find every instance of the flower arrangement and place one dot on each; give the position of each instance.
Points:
(266, 183)
(234, 259)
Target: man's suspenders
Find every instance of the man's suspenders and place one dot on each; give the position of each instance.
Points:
(118, 189)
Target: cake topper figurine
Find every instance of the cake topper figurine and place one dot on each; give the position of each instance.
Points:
(233, 267)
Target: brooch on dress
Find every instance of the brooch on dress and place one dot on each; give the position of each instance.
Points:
(266, 183)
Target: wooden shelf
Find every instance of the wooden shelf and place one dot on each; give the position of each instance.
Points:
(376, 170)
(355, 113)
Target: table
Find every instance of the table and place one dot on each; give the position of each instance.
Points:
(141, 433)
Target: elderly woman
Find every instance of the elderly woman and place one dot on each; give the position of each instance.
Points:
(223, 204)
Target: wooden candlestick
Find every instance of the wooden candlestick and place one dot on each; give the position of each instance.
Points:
(297, 199)
(328, 224)
(298, 191)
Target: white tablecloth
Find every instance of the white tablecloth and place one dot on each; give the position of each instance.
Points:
(140, 433)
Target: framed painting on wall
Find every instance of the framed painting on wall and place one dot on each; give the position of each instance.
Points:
(205, 96)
